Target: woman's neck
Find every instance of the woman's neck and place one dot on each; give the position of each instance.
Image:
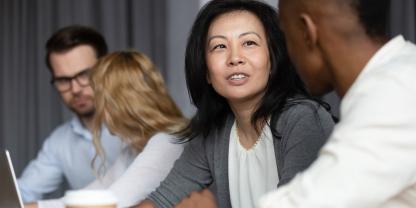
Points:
(247, 133)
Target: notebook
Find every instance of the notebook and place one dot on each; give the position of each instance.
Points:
(9, 192)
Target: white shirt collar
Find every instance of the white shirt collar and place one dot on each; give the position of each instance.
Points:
(384, 53)
(380, 57)
(80, 129)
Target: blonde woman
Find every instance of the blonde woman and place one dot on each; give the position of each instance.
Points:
(131, 99)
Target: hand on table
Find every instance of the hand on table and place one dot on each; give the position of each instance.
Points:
(31, 205)
(201, 199)
(145, 204)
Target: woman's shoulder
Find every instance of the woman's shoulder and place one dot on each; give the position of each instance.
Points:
(304, 120)
(300, 105)
(163, 137)
(306, 109)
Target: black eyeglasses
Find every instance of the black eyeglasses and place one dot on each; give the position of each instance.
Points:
(65, 83)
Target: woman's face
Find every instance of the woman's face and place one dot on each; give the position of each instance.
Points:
(237, 57)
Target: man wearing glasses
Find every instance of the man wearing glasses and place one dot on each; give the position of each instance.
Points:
(67, 153)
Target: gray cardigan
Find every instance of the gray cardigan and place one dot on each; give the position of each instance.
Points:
(303, 129)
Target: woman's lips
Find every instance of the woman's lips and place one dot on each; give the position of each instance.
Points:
(237, 79)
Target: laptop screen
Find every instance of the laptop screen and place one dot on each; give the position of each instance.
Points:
(9, 193)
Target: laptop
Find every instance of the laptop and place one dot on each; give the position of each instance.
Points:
(9, 192)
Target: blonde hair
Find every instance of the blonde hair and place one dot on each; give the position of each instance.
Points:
(131, 99)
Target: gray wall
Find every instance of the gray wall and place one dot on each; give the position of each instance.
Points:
(180, 16)
(403, 19)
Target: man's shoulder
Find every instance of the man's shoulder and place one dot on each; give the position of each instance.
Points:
(398, 73)
(62, 132)
(402, 63)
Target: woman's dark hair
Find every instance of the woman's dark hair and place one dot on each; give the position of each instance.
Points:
(212, 109)
(72, 36)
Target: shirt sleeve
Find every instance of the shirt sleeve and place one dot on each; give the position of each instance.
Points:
(369, 158)
(190, 172)
(42, 175)
(308, 128)
(115, 171)
(147, 170)
(101, 183)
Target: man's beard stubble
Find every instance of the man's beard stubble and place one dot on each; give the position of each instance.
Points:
(87, 115)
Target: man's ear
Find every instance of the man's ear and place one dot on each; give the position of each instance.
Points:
(310, 31)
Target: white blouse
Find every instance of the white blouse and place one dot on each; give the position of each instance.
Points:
(251, 172)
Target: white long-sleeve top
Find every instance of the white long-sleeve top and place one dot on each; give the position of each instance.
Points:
(132, 177)
(370, 158)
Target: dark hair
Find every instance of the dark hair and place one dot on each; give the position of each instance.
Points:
(374, 15)
(72, 36)
(212, 109)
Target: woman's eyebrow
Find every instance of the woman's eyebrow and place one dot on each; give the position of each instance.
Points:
(248, 33)
(241, 35)
(216, 36)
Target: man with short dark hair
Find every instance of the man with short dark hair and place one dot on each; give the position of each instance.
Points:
(369, 160)
(68, 152)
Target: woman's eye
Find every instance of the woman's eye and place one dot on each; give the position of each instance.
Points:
(219, 46)
(250, 43)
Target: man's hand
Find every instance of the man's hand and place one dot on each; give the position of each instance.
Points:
(202, 199)
(31, 205)
(145, 204)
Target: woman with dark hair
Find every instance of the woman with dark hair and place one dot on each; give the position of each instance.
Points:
(255, 125)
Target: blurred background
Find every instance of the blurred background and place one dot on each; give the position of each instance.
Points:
(30, 108)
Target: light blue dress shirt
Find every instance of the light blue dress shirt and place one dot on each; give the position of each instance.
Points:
(66, 154)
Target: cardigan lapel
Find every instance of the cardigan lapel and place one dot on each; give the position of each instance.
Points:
(221, 150)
